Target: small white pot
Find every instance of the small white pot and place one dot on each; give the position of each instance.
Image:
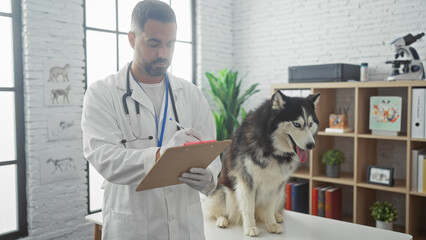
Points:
(383, 225)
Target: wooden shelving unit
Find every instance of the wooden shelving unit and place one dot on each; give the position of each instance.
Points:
(367, 149)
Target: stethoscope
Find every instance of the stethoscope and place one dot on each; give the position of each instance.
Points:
(137, 108)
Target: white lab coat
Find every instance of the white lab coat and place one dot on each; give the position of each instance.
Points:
(172, 212)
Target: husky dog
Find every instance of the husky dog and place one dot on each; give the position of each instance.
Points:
(265, 151)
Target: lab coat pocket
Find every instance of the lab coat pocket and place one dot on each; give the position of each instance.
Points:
(195, 221)
(125, 226)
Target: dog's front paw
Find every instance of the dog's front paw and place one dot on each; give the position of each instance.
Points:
(251, 231)
(279, 217)
(274, 228)
(222, 222)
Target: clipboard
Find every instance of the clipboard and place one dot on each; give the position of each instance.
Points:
(177, 160)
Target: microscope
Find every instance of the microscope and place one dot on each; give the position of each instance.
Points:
(407, 64)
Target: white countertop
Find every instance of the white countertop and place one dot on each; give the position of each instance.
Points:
(297, 226)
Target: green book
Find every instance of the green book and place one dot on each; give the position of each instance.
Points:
(385, 115)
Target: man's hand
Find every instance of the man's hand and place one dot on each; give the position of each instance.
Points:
(200, 179)
(182, 136)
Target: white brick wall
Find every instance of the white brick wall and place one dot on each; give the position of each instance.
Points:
(214, 39)
(53, 31)
(270, 36)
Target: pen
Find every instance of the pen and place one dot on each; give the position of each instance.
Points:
(177, 124)
(181, 127)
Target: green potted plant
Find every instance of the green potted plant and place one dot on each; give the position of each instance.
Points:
(332, 160)
(225, 91)
(384, 214)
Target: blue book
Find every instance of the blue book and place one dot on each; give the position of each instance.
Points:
(321, 201)
(300, 197)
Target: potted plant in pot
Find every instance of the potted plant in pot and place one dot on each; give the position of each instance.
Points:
(384, 214)
(332, 160)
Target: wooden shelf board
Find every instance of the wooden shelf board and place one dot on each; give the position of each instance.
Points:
(346, 178)
(398, 187)
(340, 85)
(418, 139)
(418, 194)
(370, 136)
(348, 134)
(302, 172)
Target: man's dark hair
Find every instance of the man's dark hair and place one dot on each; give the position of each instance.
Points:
(151, 9)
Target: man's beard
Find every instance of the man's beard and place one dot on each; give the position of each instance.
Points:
(156, 71)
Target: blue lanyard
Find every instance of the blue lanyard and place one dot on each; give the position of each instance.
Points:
(160, 140)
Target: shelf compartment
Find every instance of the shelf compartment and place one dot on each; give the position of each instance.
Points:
(365, 198)
(417, 219)
(325, 143)
(383, 153)
(347, 198)
(363, 103)
(335, 102)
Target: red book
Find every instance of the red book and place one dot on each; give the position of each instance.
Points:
(288, 196)
(333, 203)
(315, 201)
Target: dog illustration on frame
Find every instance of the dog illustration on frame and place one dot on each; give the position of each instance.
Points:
(55, 93)
(57, 71)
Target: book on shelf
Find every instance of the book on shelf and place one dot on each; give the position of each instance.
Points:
(414, 168)
(300, 197)
(321, 201)
(418, 112)
(333, 203)
(288, 195)
(385, 115)
(315, 200)
(339, 130)
(421, 173)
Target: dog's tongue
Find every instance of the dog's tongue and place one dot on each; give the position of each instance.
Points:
(302, 154)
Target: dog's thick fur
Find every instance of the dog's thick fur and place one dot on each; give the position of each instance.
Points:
(262, 156)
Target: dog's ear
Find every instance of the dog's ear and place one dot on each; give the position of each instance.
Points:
(314, 98)
(278, 100)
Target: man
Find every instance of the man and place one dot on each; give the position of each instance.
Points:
(123, 145)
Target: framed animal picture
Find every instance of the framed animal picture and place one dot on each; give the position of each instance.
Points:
(57, 84)
(60, 165)
(62, 126)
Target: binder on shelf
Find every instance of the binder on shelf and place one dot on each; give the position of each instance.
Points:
(177, 160)
(418, 113)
